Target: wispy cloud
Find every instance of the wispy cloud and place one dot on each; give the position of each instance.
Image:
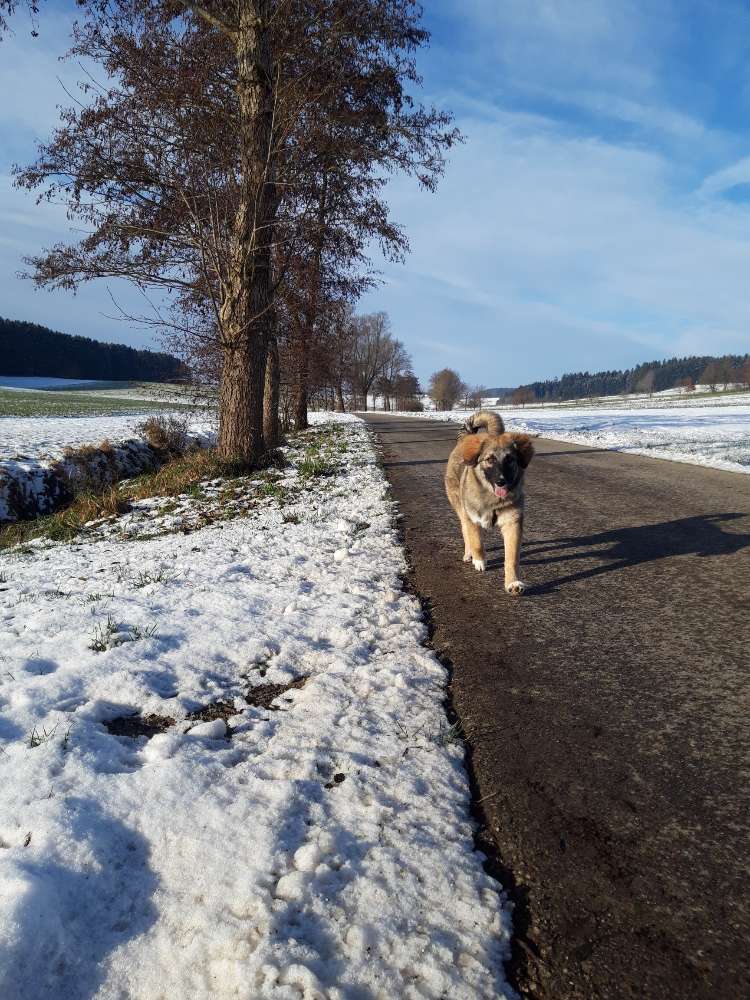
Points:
(578, 252)
(735, 175)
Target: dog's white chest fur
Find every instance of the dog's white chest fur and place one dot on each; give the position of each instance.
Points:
(484, 520)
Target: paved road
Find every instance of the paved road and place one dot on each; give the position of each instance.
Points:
(607, 712)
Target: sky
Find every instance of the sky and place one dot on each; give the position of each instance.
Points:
(596, 216)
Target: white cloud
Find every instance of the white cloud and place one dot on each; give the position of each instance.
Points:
(727, 178)
(583, 249)
(556, 45)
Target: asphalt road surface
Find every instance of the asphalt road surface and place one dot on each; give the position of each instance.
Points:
(606, 711)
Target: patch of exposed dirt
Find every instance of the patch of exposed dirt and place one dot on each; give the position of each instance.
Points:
(139, 725)
(262, 695)
(216, 710)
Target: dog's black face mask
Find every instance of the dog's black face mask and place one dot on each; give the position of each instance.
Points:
(501, 470)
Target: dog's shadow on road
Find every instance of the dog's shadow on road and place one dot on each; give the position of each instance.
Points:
(621, 548)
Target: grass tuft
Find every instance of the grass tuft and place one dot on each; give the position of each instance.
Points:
(182, 475)
(102, 634)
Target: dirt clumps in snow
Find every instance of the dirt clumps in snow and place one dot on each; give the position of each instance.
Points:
(135, 726)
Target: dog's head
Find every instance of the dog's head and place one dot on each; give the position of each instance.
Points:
(498, 460)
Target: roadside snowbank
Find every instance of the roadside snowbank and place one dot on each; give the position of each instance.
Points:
(716, 436)
(40, 485)
(317, 848)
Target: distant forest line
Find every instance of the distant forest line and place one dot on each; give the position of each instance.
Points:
(651, 376)
(27, 349)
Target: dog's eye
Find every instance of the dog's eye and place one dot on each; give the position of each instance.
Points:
(490, 460)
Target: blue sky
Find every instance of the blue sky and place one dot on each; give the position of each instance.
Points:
(598, 214)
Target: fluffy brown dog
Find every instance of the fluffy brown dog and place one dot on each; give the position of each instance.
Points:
(484, 483)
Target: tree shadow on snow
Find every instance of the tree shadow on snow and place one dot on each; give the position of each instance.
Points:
(70, 919)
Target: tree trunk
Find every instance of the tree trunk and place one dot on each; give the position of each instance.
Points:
(247, 301)
(307, 332)
(271, 423)
(302, 372)
(340, 407)
(240, 417)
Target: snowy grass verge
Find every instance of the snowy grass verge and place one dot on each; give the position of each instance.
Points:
(318, 845)
(713, 436)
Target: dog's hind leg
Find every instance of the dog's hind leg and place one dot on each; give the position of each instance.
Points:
(473, 548)
(512, 532)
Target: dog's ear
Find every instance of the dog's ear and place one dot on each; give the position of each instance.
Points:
(524, 447)
(470, 448)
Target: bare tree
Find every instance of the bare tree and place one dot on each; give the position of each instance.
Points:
(372, 348)
(522, 395)
(646, 382)
(194, 168)
(711, 376)
(397, 363)
(9, 7)
(446, 388)
(473, 396)
(687, 384)
(407, 391)
(167, 205)
(724, 372)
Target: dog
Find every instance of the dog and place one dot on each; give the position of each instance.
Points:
(484, 482)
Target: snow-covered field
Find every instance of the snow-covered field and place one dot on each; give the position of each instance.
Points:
(47, 437)
(316, 847)
(38, 382)
(667, 399)
(716, 436)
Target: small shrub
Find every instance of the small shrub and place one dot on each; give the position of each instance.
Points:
(169, 434)
(89, 467)
(412, 406)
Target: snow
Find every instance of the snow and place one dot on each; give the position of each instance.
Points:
(320, 848)
(669, 399)
(47, 437)
(714, 436)
(31, 485)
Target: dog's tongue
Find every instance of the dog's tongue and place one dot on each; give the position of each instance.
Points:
(501, 491)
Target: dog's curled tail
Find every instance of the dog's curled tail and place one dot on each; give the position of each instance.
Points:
(484, 420)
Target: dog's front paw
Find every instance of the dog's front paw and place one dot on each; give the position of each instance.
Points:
(467, 556)
(479, 565)
(515, 587)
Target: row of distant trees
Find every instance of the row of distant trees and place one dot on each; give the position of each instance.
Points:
(32, 350)
(447, 389)
(352, 359)
(653, 376)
